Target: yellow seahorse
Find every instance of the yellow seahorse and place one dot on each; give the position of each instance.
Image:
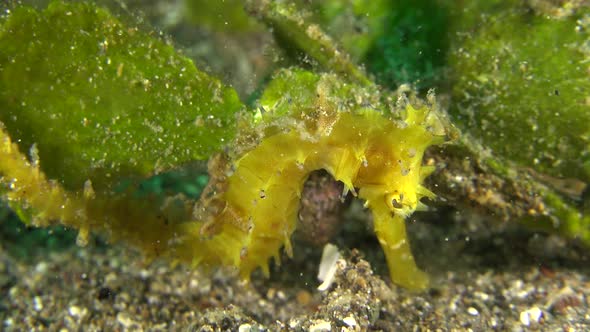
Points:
(376, 156)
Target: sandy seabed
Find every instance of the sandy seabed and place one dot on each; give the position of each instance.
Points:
(509, 280)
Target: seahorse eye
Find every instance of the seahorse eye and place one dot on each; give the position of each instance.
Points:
(397, 202)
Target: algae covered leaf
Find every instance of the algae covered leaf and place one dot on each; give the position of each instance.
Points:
(525, 94)
(95, 99)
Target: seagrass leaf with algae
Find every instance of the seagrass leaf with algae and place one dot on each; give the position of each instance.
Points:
(299, 36)
(522, 101)
(524, 95)
(100, 100)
